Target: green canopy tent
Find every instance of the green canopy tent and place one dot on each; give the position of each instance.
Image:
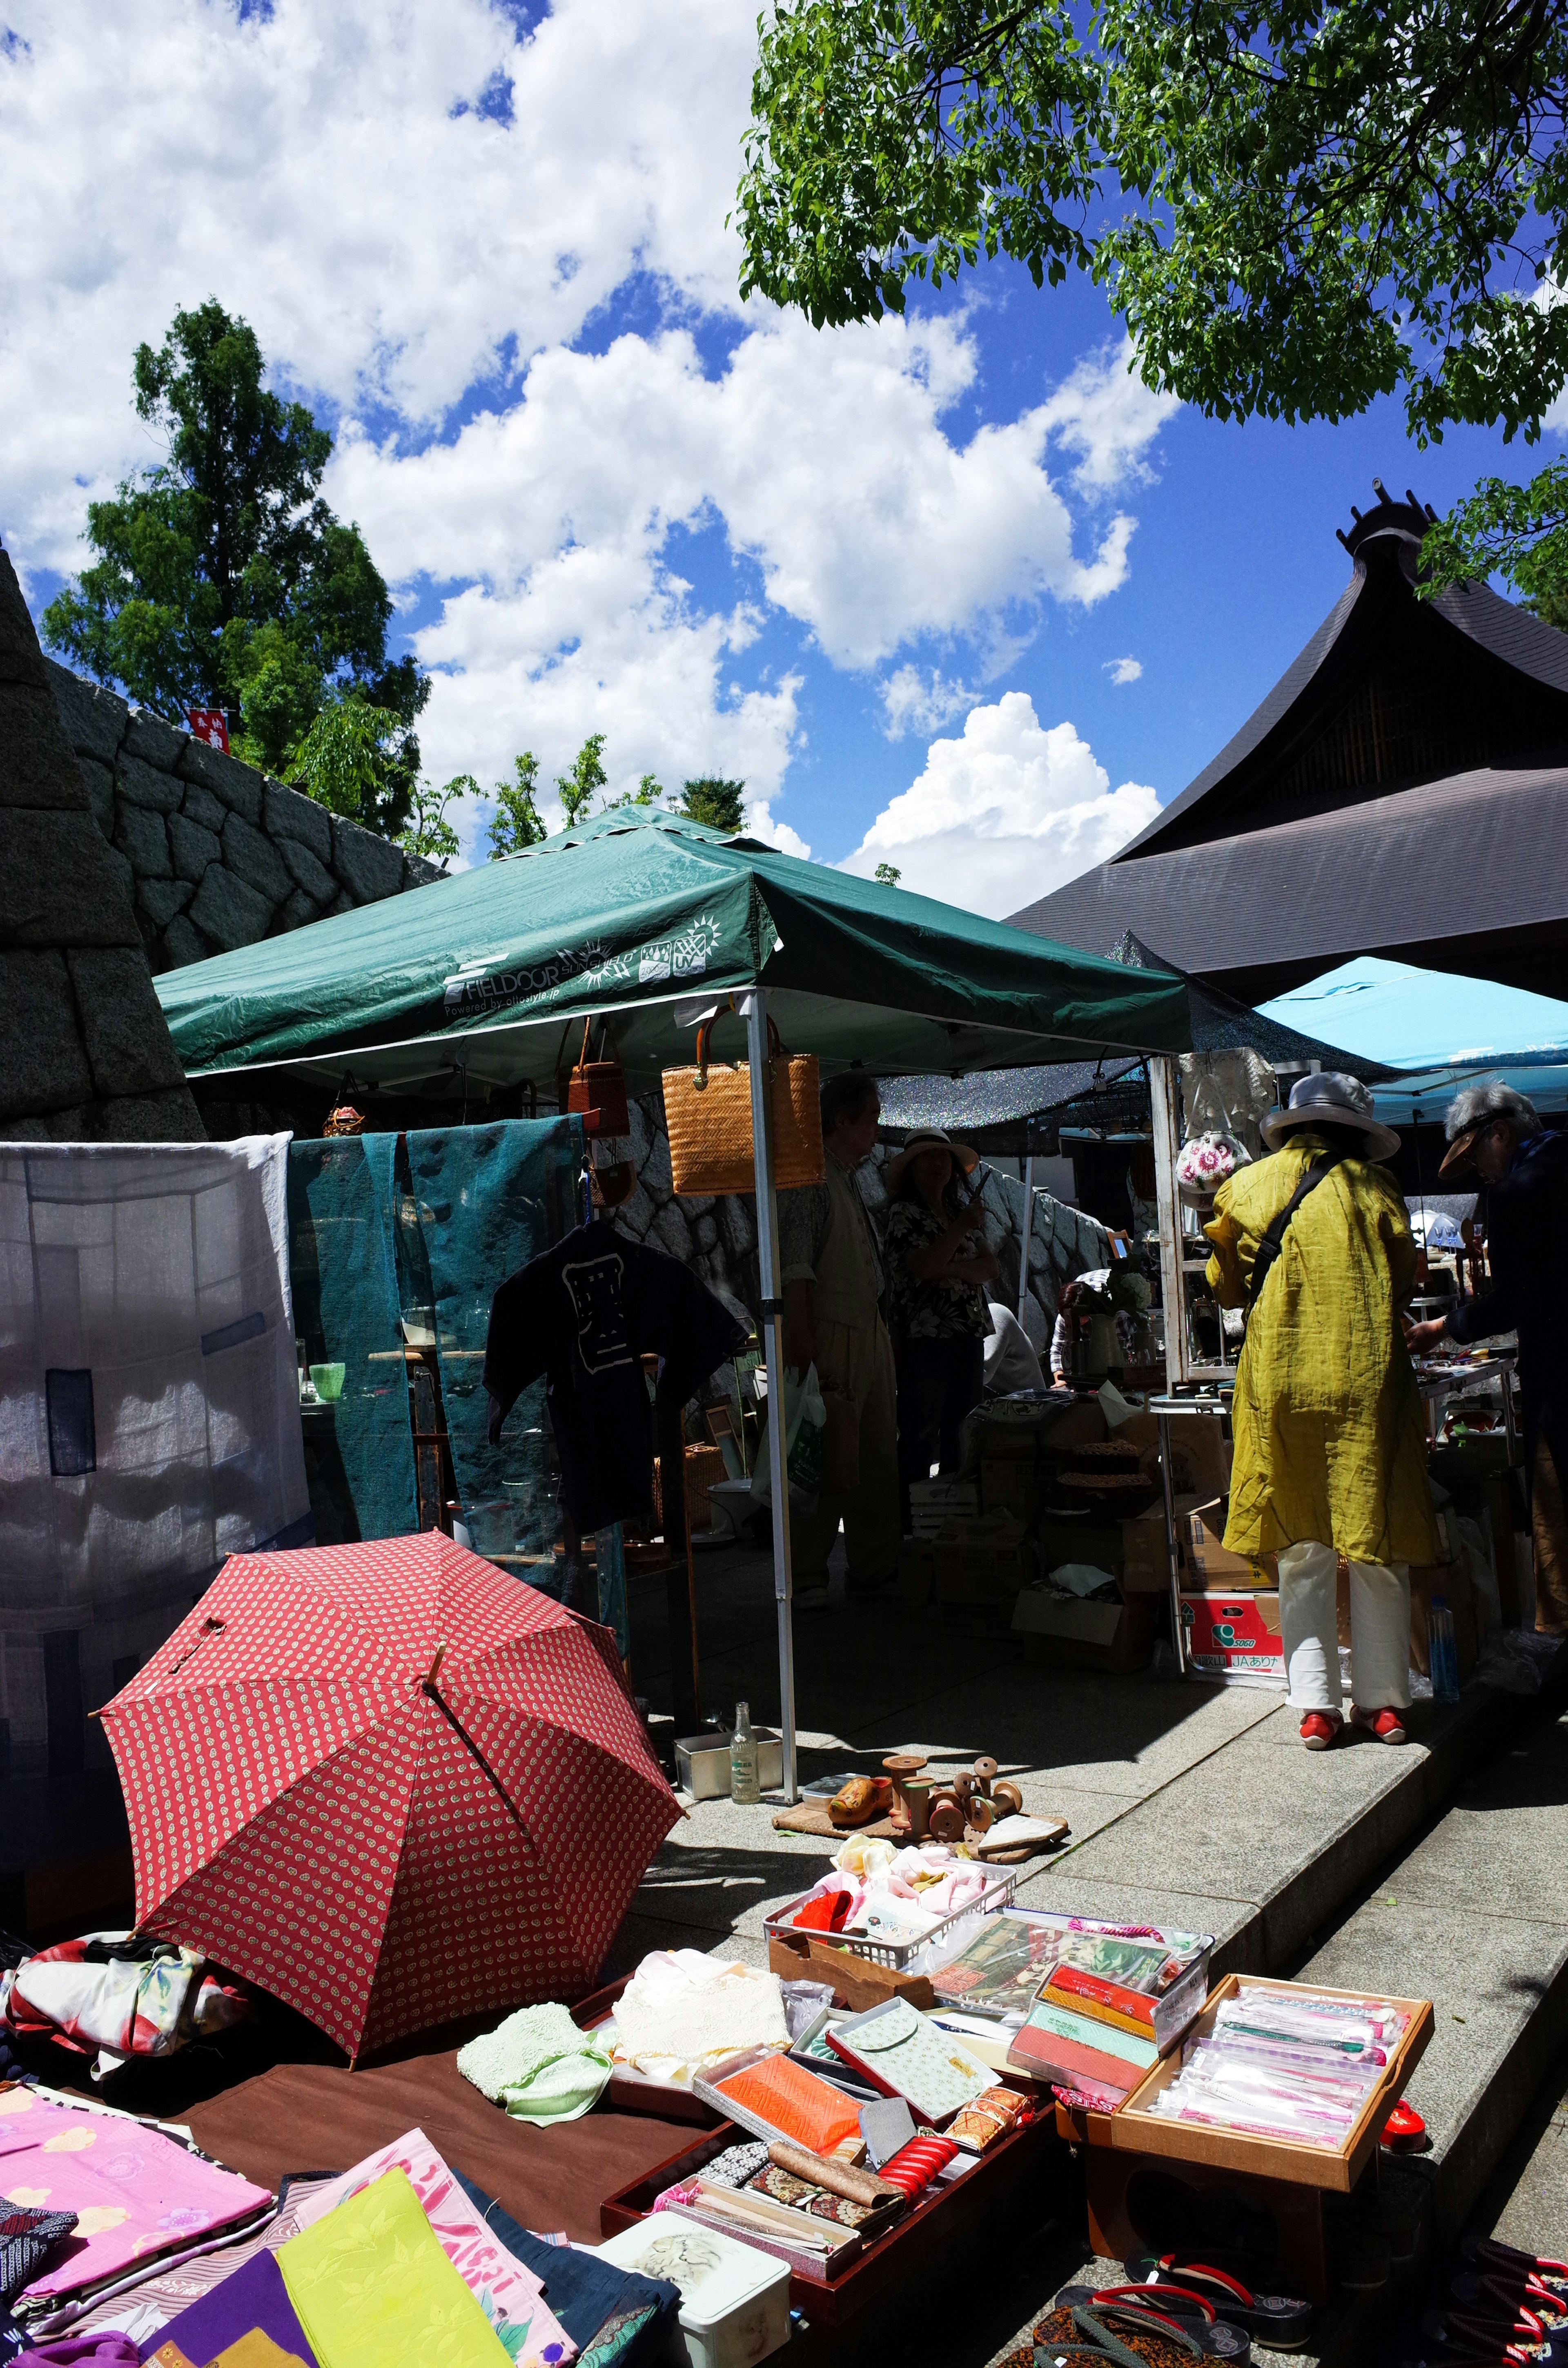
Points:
(485, 979)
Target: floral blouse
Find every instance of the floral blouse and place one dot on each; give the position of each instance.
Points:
(942, 1309)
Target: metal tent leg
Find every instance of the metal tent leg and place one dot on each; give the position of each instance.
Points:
(773, 1353)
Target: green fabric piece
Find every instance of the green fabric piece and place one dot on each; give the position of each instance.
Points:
(370, 2284)
(634, 911)
(489, 1199)
(539, 2065)
(343, 1273)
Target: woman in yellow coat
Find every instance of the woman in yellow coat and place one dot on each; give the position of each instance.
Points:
(1330, 1444)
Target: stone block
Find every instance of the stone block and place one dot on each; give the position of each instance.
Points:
(312, 877)
(418, 871)
(342, 903)
(737, 1225)
(193, 847)
(98, 782)
(635, 1215)
(239, 786)
(696, 1204)
(162, 899)
(183, 944)
(125, 1031)
(670, 1228)
(645, 1116)
(297, 914)
(655, 1168)
(228, 911)
(705, 1233)
(168, 1117)
(255, 860)
(38, 766)
(45, 1068)
(147, 785)
(157, 743)
(80, 1124)
(58, 885)
(94, 720)
(289, 814)
(21, 660)
(368, 868)
(123, 872)
(202, 808)
(143, 837)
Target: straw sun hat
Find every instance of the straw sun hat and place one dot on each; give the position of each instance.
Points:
(929, 1138)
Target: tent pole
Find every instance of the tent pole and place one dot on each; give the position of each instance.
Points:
(773, 1353)
(1028, 1234)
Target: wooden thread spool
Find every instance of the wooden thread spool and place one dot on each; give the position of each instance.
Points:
(984, 1773)
(981, 1812)
(1009, 1800)
(917, 1794)
(946, 1819)
(961, 1785)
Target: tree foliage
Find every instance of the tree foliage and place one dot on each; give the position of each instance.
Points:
(361, 761)
(427, 832)
(223, 579)
(516, 822)
(889, 875)
(714, 802)
(1519, 532)
(1295, 208)
(577, 789)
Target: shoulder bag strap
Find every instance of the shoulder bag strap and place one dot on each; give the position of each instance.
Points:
(1273, 1241)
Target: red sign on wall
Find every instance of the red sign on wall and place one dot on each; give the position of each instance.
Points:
(210, 723)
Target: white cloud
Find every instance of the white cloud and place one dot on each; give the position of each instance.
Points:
(1124, 670)
(917, 698)
(1103, 413)
(1004, 815)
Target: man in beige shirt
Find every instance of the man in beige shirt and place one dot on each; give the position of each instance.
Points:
(831, 1273)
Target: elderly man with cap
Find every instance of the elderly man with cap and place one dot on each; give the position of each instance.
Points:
(1495, 1134)
(831, 1272)
(1330, 1451)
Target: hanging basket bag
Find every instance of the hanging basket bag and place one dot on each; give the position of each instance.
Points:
(596, 1091)
(707, 1112)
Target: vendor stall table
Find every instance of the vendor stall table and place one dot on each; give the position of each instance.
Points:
(1440, 1381)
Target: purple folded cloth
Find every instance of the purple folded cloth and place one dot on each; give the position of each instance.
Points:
(101, 2350)
(254, 2296)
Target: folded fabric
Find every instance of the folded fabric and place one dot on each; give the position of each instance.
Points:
(617, 2317)
(136, 2194)
(254, 2299)
(371, 2285)
(539, 2065)
(108, 1995)
(82, 2351)
(682, 2012)
(27, 2238)
(511, 2294)
(793, 2101)
(735, 2165)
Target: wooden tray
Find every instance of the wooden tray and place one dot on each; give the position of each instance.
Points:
(911, 2250)
(812, 1817)
(1133, 2129)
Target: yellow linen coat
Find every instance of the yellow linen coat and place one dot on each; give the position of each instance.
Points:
(1330, 1442)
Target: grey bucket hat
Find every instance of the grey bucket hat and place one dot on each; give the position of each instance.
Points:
(1328, 1098)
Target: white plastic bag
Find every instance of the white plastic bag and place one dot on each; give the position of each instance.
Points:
(805, 1445)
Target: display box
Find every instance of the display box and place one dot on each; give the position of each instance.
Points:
(1134, 2128)
(1209, 1557)
(936, 1506)
(986, 1562)
(1062, 1631)
(1236, 1634)
(1010, 1484)
(1146, 1553)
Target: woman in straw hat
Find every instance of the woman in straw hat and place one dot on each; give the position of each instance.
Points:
(939, 1261)
(1330, 1445)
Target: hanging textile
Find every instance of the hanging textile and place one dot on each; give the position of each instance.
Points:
(490, 1197)
(610, 1557)
(348, 1313)
(149, 1417)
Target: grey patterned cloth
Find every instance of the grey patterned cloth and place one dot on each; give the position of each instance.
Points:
(734, 2166)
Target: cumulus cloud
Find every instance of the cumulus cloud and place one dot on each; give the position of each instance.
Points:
(1103, 412)
(1005, 813)
(1122, 670)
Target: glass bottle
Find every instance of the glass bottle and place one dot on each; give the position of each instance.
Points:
(1442, 1651)
(744, 1781)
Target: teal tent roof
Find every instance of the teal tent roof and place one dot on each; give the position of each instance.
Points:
(645, 915)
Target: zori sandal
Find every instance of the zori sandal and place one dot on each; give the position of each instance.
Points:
(1132, 2334)
(1192, 2312)
(1490, 2253)
(1280, 2321)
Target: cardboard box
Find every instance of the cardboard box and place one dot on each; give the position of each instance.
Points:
(1237, 1632)
(1201, 1454)
(1062, 1630)
(1145, 1554)
(987, 1562)
(941, 1505)
(1211, 1562)
(1010, 1484)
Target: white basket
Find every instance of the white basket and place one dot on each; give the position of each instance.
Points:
(899, 1955)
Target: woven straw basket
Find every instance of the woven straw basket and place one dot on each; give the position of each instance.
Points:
(707, 1112)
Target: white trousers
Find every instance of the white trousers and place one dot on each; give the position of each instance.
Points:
(1380, 1630)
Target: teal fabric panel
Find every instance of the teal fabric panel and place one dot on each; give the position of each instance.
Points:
(359, 1452)
(489, 1199)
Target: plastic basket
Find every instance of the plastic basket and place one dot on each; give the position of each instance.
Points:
(899, 1955)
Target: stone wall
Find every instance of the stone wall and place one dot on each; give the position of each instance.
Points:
(212, 853)
(718, 1237)
(84, 1053)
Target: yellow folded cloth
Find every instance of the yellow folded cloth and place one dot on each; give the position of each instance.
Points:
(371, 2285)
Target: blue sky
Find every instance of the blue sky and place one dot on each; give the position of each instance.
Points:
(890, 576)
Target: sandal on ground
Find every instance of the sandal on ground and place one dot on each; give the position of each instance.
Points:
(1387, 1724)
(1319, 1729)
(1490, 2253)
(1192, 2312)
(1137, 2335)
(1282, 2321)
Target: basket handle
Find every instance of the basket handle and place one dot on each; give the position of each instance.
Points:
(775, 1044)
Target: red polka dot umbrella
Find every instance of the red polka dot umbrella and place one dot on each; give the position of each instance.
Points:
(389, 1784)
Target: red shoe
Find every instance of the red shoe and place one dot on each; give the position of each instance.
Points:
(1388, 1726)
(1319, 1728)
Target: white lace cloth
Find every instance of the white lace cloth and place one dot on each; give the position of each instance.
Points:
(682, 2012)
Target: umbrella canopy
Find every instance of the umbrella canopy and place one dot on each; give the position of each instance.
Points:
(639, 912)
(389, 1784)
